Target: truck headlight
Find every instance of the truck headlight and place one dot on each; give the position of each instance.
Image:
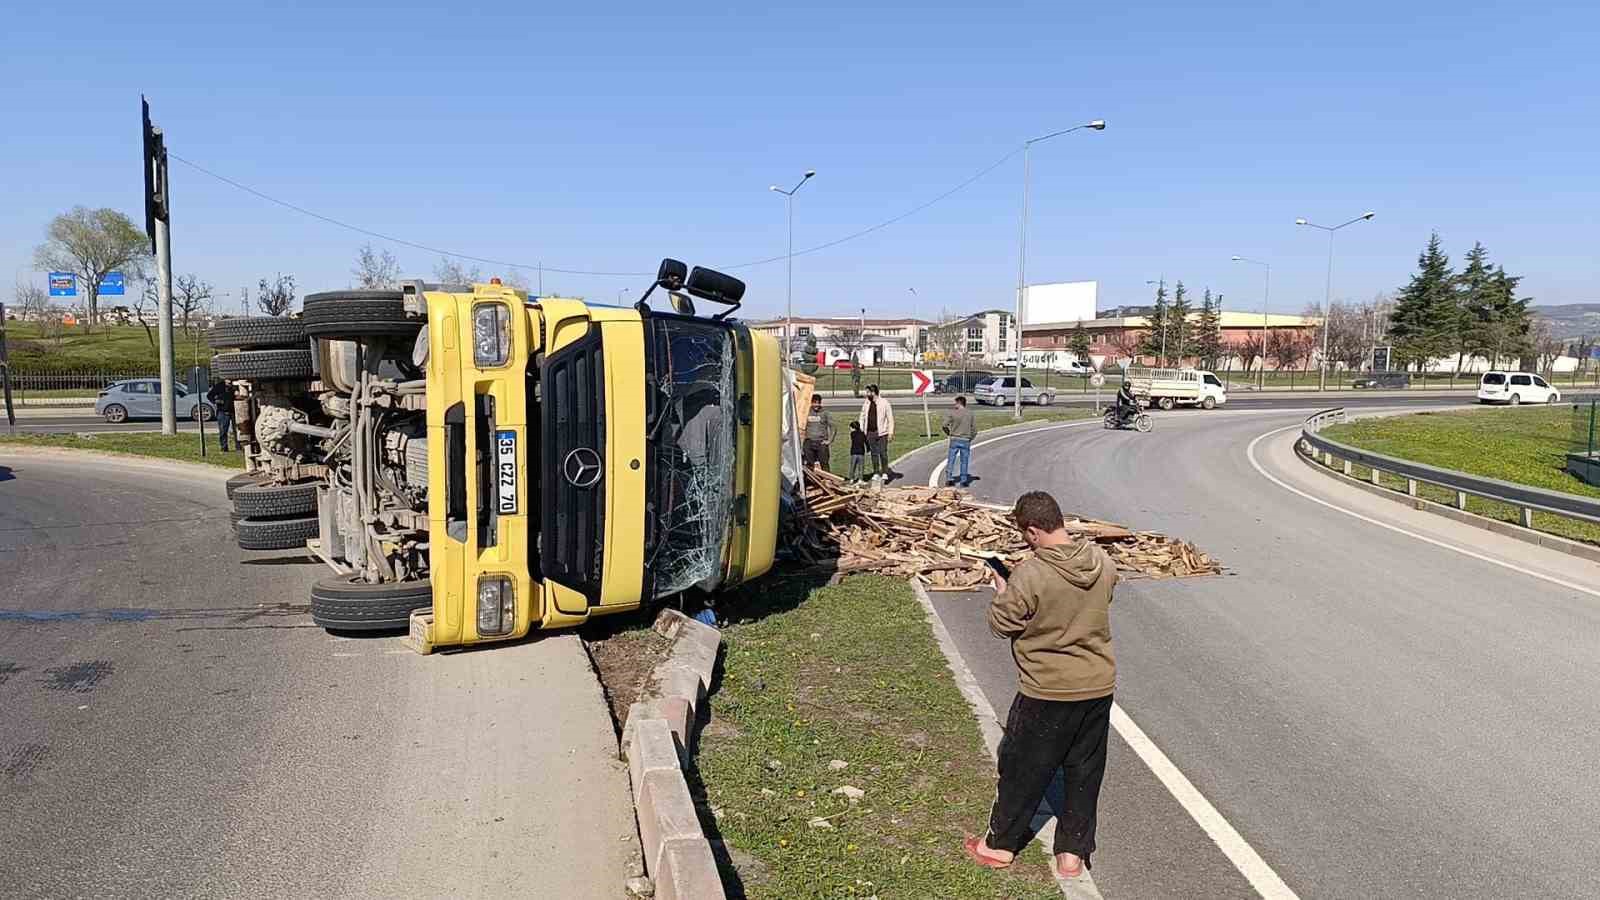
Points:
(496, 609)
(491, 334)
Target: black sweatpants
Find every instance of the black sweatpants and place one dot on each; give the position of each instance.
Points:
(1041, 737)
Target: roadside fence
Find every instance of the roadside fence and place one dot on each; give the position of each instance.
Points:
(37, 387)
(1586, 428)
(1416, 476)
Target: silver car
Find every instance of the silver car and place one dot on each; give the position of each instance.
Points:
(1003, 391)
(140, 398)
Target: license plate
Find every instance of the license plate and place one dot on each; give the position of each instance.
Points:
(505, 451)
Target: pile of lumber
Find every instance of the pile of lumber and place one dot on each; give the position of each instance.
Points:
(940, 537)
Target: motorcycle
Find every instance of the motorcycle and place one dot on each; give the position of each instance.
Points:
(1141, 421)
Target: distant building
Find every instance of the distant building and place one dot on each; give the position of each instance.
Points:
(881, 340)
(1115, 340)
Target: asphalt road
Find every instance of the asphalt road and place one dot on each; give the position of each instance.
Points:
(1377, 715)
(173, 725)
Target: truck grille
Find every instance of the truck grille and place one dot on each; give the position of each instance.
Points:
(573, 436)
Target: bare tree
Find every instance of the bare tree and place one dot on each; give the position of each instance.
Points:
(515, 279)
(275, 298)
(32, 302)
(191, 296)
(1546, 345)
(1288, 347)
(450, 271)
(1126, 342)
(949, 339)
(1250, 348)
(146, 301)
(92, 243)
(376, 269)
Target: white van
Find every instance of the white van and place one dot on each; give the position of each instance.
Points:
(1514, 388)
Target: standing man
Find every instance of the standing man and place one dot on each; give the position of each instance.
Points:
(877, 420)
(962, 427)
(221, 396)
(817, 445)
(1055, 609)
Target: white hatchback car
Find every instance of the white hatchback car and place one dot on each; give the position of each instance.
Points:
(1515, 388)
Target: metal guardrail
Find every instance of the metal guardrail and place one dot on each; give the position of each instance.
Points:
(1527, 499)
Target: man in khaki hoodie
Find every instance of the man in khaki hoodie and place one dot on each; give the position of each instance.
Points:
(1055, 609)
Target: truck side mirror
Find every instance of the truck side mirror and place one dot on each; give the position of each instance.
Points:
(671, 274)
(681, 304)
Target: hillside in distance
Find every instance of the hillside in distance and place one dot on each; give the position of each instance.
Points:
(1572, 320)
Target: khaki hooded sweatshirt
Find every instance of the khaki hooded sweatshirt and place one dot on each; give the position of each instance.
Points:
(1056, 609)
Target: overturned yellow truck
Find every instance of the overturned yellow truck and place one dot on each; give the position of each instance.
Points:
(475, 464)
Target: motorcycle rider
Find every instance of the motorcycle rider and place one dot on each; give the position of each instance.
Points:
(1127, 404)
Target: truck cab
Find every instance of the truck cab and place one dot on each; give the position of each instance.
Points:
(591, 459)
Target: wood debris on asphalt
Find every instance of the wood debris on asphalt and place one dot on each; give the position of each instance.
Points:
(940, 537)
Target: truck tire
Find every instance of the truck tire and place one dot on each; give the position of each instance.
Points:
(356, 314)
(1208, 403)
(345, 603)
(262, 365)
(1165, 403)
(240, 480)
(275, 501)
(257, 332)
(276, 534)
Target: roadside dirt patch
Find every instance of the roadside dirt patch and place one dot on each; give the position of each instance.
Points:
(624, 657)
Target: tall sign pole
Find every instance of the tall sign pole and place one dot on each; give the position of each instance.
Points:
(5, 374)
(156, 225)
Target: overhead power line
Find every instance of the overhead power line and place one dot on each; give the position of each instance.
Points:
(567, 271)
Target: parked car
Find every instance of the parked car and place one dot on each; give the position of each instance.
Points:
(140, 398)
(1000, 391)
(1514, 388)
(1384, 380)
(961, 382)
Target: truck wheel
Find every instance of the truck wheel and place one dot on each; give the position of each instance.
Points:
(276, 534)
(239, 481)
(1208, 403)
(275, 501)
(257, 332)
(262, 365)
(1166, 403)
(346, 603)
(355, 314)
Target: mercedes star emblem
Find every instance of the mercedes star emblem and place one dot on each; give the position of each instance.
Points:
(582, 468)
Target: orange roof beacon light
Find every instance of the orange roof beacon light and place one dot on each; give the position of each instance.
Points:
(495, 280)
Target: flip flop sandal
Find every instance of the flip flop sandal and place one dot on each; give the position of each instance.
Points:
(970, 845)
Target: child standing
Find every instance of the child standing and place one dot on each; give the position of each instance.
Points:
(858, 452)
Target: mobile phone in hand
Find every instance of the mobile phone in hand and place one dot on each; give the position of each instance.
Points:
(1000, 568)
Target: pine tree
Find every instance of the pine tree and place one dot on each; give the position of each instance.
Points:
(1181, 331)
(1475, 300)
(1208, 330)
(1513, 326)
(1078, 343)
(1160, 323)
(1425, 314)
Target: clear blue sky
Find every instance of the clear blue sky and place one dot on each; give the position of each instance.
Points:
(607, 136)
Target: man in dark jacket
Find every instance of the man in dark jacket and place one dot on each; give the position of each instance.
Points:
(221, 397)
(1055, 609)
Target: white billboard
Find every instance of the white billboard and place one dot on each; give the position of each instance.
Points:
(1063, 301)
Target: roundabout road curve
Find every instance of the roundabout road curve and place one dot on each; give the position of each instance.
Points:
(173, 724)
(1376, 713)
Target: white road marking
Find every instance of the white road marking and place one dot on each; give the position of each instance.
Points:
(1255, 870)
(1250, 453)
(1232, 844)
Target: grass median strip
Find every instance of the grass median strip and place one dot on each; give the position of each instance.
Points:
(1524, 445)
(817, 676)
(182, 447)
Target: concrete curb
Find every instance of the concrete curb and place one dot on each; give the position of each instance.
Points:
(1510, 530)
(657, 742)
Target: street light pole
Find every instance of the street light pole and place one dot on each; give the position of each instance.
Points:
(1327, 299)
(1266, 294)
(914, 331)
(1022, 253)
(788, 321)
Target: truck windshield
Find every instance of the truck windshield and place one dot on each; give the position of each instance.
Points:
(693, 420)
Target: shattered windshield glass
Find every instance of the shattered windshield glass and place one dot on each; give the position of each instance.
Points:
(692, 437)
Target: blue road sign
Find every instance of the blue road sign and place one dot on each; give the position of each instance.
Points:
(63, 284)
(112, 285)
(1594, 352)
